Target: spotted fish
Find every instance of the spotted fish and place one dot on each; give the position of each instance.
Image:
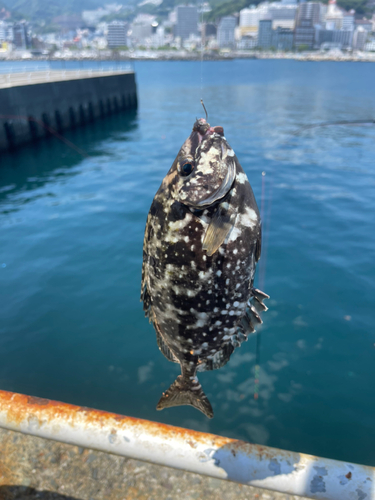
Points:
(202, 242)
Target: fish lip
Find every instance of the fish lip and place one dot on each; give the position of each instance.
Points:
(203, 129)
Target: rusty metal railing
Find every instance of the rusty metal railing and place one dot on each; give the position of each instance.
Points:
(207, 454)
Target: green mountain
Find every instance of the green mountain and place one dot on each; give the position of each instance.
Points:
(38, 10)
(221, 8)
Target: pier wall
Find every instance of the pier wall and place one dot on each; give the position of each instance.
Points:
(29, 112)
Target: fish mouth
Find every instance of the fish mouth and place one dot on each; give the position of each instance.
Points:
(204, 129)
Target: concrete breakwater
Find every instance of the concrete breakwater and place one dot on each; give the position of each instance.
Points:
(38, 104)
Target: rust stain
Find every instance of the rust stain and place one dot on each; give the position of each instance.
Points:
(20, 408)
(37, 401)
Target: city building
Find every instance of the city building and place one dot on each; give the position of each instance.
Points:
(360, 36)
(117, 34)
(310, 11)
(309, 14)
(20, 36)
(248, 41)
(265, 34)
(364, 23)
(3, 31)
(348, 20)
(282, 39)
(329, 39)
(283, 14)
(225, 32)
(140, 32)
(186, 21)
(249, 19)
(370, 45)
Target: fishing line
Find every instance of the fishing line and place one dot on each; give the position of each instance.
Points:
(202, 53)
(49, 129)
(262, 274)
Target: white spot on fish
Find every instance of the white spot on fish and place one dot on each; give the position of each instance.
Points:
(241, 178)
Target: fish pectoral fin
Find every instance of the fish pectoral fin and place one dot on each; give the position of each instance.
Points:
(220, 226)
(186, 392)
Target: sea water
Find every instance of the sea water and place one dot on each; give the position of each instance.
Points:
(71, 235)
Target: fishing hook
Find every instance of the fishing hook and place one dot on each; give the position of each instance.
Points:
(205, 110)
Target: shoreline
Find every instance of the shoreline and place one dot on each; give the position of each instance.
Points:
(196, 56)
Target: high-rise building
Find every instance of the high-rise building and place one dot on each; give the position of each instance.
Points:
(225, 32)
(360, 38)
(304, 35)
(309, 11)
(265, 34)
(348, 20)
(117, 34)
(282, 39)
(186, 21)
(3, 31)
(20, 36)
(309, 14)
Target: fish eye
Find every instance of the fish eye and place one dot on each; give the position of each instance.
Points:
(186, 168)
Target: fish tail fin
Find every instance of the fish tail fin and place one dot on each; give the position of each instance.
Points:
(186, 391)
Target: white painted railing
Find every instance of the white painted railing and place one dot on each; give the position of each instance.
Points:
(284, 471)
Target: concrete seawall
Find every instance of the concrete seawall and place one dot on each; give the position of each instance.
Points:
(36, 105)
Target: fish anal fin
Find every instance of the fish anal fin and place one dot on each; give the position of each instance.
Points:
(219, 359)
(220, 226)
(185, 391)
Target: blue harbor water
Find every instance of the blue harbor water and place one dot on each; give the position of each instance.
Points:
(71, 236)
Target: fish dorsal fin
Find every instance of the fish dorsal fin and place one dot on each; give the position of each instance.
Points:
(220, 226)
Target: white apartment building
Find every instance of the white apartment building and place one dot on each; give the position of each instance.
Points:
(117, 34)
(250, 17)
(3, 31)
(225, 32)
(282, 14)
(360, 38)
